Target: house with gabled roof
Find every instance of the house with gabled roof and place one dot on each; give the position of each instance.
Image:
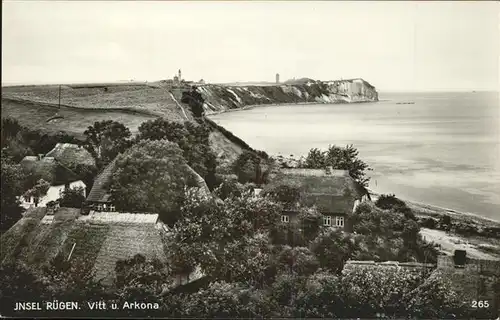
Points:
(99, 197)
(94, 242)
(334, 193)
(71, 155)
(54, 172)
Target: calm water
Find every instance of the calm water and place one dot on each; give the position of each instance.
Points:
(442, 150)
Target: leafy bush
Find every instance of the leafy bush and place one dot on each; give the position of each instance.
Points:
(429, 223)
(389, 235)
(12, 181)
(436, 298)
(72, 197)
(379, 289)
(333, 248)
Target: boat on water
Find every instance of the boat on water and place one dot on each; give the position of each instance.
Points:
(411, 102)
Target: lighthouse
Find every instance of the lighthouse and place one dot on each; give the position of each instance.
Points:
(180, 75)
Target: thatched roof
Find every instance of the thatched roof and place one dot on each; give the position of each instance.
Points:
(101, 240)
(71, 155)
(334, 192)
(48, 169)
(99, 191)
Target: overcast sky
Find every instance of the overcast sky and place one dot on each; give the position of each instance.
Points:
(409, 46)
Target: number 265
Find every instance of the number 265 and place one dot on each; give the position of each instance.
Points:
(480, 304)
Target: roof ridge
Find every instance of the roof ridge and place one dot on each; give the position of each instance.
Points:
(65, 167)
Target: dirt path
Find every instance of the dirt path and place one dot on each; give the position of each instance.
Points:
(449, 243)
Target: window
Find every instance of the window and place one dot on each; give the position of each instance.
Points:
(111, 208)
(339, 222)
(327, 221)
(99, 207)
(285, 218)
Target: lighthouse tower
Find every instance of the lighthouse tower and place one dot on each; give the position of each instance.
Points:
(180, 75)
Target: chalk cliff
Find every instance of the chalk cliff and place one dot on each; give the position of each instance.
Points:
(220, 98)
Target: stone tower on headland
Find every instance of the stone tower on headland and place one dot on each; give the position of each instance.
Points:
(277, 78)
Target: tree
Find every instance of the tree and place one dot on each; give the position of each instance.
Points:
(141, 280)
(249, 167)
(315, 159)
(321, 297)
(105, 140)
(229, 187)
(195, 101)
(340, 159)
(298, 260)
(12, 186)
(389, 235)
(86, 173)
(19, 284)
(333, 248)
(161, 128)
(284, 293)
(226, 238)
(192, 138)
(12, 143)
(72, 197)
(38, 191)
(310, 220)
(151, 177)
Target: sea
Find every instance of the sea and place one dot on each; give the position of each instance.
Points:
(437, 148)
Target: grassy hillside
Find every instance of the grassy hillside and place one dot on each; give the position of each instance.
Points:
(37, 107)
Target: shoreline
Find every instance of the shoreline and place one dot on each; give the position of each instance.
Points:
(439, 210)
(425, 209)
(251, 106)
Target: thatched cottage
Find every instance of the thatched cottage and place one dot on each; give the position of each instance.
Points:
(99, 198)
(96, 241)
(54, 172)
(333, 192)
(71, 155)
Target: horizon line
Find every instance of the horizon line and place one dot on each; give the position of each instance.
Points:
(134, 81)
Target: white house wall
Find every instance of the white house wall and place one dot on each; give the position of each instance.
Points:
(79, 184)
(54, 193)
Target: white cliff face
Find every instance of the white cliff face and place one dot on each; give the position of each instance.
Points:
(356, 90)
(220, 98)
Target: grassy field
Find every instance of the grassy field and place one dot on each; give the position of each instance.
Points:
(82, 105)
(37, 107)
(74, 121)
